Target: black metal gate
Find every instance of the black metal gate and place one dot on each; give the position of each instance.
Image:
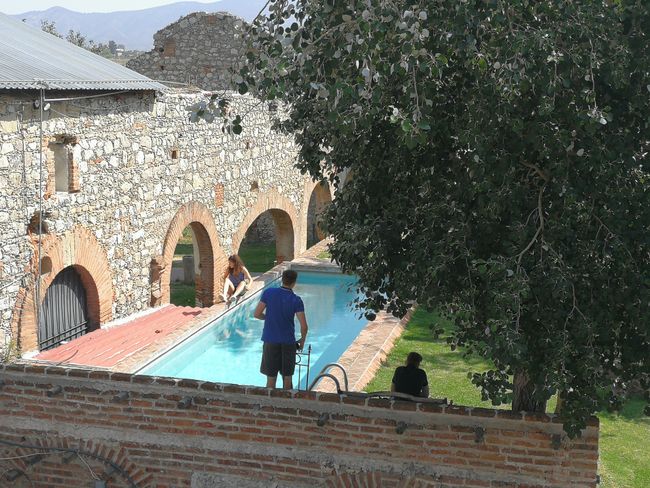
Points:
(64, 313)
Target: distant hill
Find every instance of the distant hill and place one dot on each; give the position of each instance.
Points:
(135, 28)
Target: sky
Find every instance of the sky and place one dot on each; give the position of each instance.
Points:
(17, 7)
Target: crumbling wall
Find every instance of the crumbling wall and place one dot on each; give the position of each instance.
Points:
(199, 49)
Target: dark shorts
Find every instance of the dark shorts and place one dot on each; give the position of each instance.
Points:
(278, 358)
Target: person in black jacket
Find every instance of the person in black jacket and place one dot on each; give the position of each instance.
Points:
(410, 379)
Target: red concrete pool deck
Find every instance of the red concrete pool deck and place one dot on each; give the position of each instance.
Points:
(104, 348)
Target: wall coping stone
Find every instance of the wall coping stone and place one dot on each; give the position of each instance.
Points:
(114, 380)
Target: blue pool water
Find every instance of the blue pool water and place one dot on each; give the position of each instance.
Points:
(230, 349)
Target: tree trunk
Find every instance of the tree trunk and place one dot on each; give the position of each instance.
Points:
(523, 399)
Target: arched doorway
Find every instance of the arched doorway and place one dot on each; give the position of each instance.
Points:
(64, 312)
(268, 241)
(192, 267)
(285, 225)
(320, 198)
(193, 228)
(79, 250)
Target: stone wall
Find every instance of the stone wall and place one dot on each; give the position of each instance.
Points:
(171, 433)
(262, 230)
(134, 173)
(198, 49)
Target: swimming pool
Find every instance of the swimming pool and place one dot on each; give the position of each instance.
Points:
(230, 349)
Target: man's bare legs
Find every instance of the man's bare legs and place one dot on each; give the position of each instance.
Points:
(287, 382)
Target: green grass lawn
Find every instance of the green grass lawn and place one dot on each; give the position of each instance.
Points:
(258, 258)
(625, 447)
(446, 369)
(324, 255)
(182, 295)
(624, 437)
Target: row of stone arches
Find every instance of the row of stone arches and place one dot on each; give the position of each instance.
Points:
(77, 261)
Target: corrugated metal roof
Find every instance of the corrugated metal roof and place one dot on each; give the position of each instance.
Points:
(31, 59)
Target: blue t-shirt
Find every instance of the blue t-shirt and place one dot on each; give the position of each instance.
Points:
(282, 304)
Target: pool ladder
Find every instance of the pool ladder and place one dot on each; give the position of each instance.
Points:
(392, 395)
(324, 373)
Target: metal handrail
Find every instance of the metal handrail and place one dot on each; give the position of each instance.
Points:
(326, 375)
(333, 365)
(56, 339)
(299, 364)
(405, 396)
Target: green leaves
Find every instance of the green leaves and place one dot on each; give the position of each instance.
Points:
(499, 173)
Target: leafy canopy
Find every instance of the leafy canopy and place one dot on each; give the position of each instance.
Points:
(498, 153)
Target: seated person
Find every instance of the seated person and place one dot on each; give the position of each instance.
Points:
(410, 379)
(236, 279)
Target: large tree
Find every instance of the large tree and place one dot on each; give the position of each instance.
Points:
(498, 152)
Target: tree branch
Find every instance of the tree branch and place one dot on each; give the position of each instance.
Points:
(540, 227)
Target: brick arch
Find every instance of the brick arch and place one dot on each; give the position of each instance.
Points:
(287, 225)
(377, 479)
(323, 193)
(97, 455)
(211, 255)
(77, 248)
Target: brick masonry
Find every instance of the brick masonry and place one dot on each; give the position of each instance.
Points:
(79, 248)
(181, 433)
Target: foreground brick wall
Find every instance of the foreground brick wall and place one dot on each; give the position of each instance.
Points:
(173, 433)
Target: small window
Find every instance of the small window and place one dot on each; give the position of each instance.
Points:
(61, 155)
(162, 68)
(255, 186)
(174, 153)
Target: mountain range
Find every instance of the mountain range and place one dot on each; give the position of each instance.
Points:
(134, 28)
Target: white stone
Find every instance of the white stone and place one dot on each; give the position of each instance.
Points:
(145, 141)
(7, 148)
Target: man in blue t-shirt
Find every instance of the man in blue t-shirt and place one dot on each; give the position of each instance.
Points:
(281, 306)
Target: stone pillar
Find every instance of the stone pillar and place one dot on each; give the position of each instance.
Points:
(188, 270)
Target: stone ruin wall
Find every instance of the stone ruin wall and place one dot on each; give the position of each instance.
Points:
(199, 49)
(137, 161)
